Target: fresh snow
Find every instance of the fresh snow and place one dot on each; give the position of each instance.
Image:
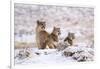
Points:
(47, 56)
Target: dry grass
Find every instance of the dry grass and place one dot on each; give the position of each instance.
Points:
(23, 45)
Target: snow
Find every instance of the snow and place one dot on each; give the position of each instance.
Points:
(53, 56)
(47, 56)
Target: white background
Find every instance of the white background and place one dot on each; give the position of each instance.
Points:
(5, 34)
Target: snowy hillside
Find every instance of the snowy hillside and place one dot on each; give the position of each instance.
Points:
(79, 20)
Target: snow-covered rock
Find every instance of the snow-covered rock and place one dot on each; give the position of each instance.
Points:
(83, 56)
(61, 46)
(22, 54)
(79, 53)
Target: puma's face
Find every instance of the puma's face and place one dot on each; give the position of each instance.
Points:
(57, 31)
(41, 24)
(71, 35)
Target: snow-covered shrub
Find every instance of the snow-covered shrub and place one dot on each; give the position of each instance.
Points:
(61, 46)
(69, 51)
(23, 54)
(79, 53)
(82, 56)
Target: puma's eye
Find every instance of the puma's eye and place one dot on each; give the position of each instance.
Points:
(43, 24)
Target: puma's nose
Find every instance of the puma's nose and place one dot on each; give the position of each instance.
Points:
(59, 33)
(43, 27)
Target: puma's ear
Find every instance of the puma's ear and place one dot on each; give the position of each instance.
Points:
(68, 33)
(44, 22)
(59, 28)
(37, 21)
(54, 27)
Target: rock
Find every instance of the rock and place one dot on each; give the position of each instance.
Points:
(79, 53)
(37, 53)
(23, 54)
(61, 46)
(82, 56)
(67, 54)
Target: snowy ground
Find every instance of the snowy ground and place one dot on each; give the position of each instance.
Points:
(53, 56)
(46, 56)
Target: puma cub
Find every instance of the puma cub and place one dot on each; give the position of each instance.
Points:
(69, 39)
(53, 38)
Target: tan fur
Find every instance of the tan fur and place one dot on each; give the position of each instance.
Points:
(40, 27)
(53, 38)
(69, 39)
(41, 35)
